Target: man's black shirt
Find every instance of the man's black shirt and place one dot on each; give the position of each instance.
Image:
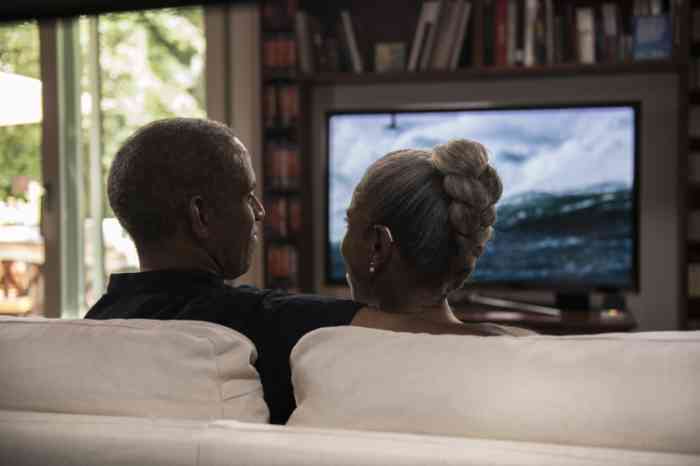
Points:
(273, 320)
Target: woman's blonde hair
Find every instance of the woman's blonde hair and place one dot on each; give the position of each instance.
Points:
(439, 205)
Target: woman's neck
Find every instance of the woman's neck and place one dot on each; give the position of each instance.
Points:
(420, 304)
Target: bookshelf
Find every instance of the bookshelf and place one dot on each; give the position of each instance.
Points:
(284, 162)
(396, 21)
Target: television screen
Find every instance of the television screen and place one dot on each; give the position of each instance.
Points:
(567, 217)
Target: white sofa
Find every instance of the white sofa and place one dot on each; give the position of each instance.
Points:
(137, 392)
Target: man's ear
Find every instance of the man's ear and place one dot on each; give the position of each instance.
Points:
(199, 217)
(382, 244)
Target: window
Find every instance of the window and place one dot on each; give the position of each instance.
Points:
(21, 246)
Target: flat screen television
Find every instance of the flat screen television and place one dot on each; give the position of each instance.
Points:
(568, 217)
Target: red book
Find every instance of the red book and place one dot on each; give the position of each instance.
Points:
(501, 23)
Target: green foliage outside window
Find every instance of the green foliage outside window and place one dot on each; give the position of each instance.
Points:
(20, 144)
(151, 64)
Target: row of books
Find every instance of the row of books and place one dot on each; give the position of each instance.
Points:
(452, 34)
(282, 166)
(546, 32)
(281, 105)
(283, 217)
(282, 266)
(278, 15)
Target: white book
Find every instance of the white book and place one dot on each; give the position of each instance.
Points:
(306, 58)
(511, 30)
(530, 18)
(433, 19)
(442, 52)
(355, 57)
(418, 38)
(585, 28)
(460, 40)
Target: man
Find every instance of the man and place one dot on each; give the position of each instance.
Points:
(184, 190)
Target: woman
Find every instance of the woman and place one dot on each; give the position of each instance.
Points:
(417, 224)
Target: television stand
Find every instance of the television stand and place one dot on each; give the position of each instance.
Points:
(572, 301)
(519, 306)
(543, 319)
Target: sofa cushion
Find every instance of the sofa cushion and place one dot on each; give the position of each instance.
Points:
(619, 391)
(79, 440)
(181, 369)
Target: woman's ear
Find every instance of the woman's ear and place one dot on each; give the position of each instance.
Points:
(382, 246)
(199, 217)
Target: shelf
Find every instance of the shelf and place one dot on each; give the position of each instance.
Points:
(492, 72)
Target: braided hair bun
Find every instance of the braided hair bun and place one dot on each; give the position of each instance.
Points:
(473, 188)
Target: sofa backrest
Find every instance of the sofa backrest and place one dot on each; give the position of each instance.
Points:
(636, 391)
(46, 439)
(148, 368)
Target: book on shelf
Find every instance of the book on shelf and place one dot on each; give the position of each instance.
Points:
(430, 10)
(549, 27)
(283, 216)
(282, 265)
(445, 35)
(295, 216)
(281, 105)
(276, 217)
(501, 33)
(279, 52)
(455, 33)
(304, 43)
(653, 38)
(611, 32)
(460, 43)
(511, 31)
(585, 29)
(358, 65)
(531, 9)
(284, 168)
(270, 106)
(278, 14)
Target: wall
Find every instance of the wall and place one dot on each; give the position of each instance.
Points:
(656, 305)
